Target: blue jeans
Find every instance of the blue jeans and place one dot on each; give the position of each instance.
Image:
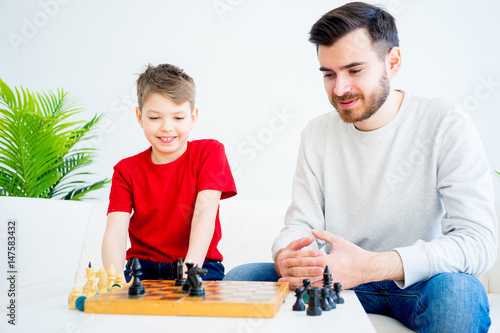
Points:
(168, 271)
(447, 302)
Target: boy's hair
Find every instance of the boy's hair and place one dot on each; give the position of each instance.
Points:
(168, 80)
(337, 23)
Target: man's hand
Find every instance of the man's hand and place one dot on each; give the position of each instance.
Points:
(352, 266)
(294, 264)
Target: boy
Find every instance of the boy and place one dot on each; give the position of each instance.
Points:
(173, 188)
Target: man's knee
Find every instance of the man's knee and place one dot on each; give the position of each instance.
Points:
(253, 272)
(455, 302)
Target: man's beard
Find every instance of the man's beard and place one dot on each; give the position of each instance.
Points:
(372, 104)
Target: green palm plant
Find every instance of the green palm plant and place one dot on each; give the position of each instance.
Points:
(39, 155)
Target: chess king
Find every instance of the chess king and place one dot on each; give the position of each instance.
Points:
(173, 188)
(408, 243)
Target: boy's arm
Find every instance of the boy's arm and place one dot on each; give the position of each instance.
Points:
(114, 243)
(203, 225)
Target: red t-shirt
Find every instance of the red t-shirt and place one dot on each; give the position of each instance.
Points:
(162, 198)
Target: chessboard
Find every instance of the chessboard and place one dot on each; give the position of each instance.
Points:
(222, 299)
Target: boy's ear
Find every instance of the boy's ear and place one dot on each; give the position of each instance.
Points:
(138, 114)
(194, 117)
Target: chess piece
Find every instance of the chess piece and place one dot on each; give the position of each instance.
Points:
(136, 288)
(180, 274)
(307, 286)
(73, 295)
(325, 300)
(338, 287)
(327, 277)
(186, 286)
(111, 276)
(90, 289)
(299, 305)
(102, 285)
(314, 308)
(196, 282)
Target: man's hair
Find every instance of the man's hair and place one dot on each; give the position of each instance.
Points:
(168, 80)
(335, 24)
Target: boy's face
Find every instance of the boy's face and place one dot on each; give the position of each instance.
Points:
(166, 126)
(356, 79)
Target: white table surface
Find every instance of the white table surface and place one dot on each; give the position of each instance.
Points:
(51, 314)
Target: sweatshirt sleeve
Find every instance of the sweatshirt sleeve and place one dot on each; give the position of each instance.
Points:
(468, 243)
(306, 211)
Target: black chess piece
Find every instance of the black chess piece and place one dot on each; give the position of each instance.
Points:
(307, 286)
(338, 287)
(314, 308)
(327, 277)
(180, 274)
(299, 305)
(325, 300)
(186, 286)
(332, 297)
(136, 288)
(196, 282)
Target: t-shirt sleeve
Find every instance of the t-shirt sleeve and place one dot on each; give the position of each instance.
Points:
(215, 173)
(120, 197)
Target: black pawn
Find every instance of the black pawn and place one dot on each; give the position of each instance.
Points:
(136, 288)
(180, 274)
(325, 300)
(332, 297)
(307, 286)
(338, 287)
(187, 285)
(299, 305)
(314, 308)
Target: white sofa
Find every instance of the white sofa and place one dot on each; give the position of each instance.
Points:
(55, 240)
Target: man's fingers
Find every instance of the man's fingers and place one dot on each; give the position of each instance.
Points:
(298, 281)
(301, 254)
(325, 235)
(298, 244)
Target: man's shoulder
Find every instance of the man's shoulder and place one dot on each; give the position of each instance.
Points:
(435, 107)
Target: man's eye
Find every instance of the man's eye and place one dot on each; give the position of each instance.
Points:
(329, 75)
(355, 71)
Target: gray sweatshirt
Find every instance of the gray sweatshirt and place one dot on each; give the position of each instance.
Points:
(420, 185)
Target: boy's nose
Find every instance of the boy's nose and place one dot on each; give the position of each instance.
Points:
(167, 126)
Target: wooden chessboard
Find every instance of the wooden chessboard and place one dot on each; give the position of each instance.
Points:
(222, 299)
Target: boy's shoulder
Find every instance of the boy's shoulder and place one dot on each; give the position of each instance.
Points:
(133, 160)
(205, 145)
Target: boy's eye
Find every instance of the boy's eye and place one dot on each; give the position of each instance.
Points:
(153, 118)
(179, 118)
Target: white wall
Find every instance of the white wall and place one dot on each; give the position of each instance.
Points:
(255, 71)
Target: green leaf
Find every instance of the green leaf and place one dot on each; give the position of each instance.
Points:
(37, 144)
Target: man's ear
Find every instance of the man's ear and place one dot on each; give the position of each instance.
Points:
(393, 61)
(138, 115)
(194, 117)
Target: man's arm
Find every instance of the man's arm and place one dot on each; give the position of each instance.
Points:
(114, 243)
(203, 225)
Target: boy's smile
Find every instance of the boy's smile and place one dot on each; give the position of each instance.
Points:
(166, 126)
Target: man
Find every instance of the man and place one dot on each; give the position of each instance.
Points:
(396, 186)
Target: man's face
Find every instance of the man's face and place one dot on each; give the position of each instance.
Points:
(355, 78)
